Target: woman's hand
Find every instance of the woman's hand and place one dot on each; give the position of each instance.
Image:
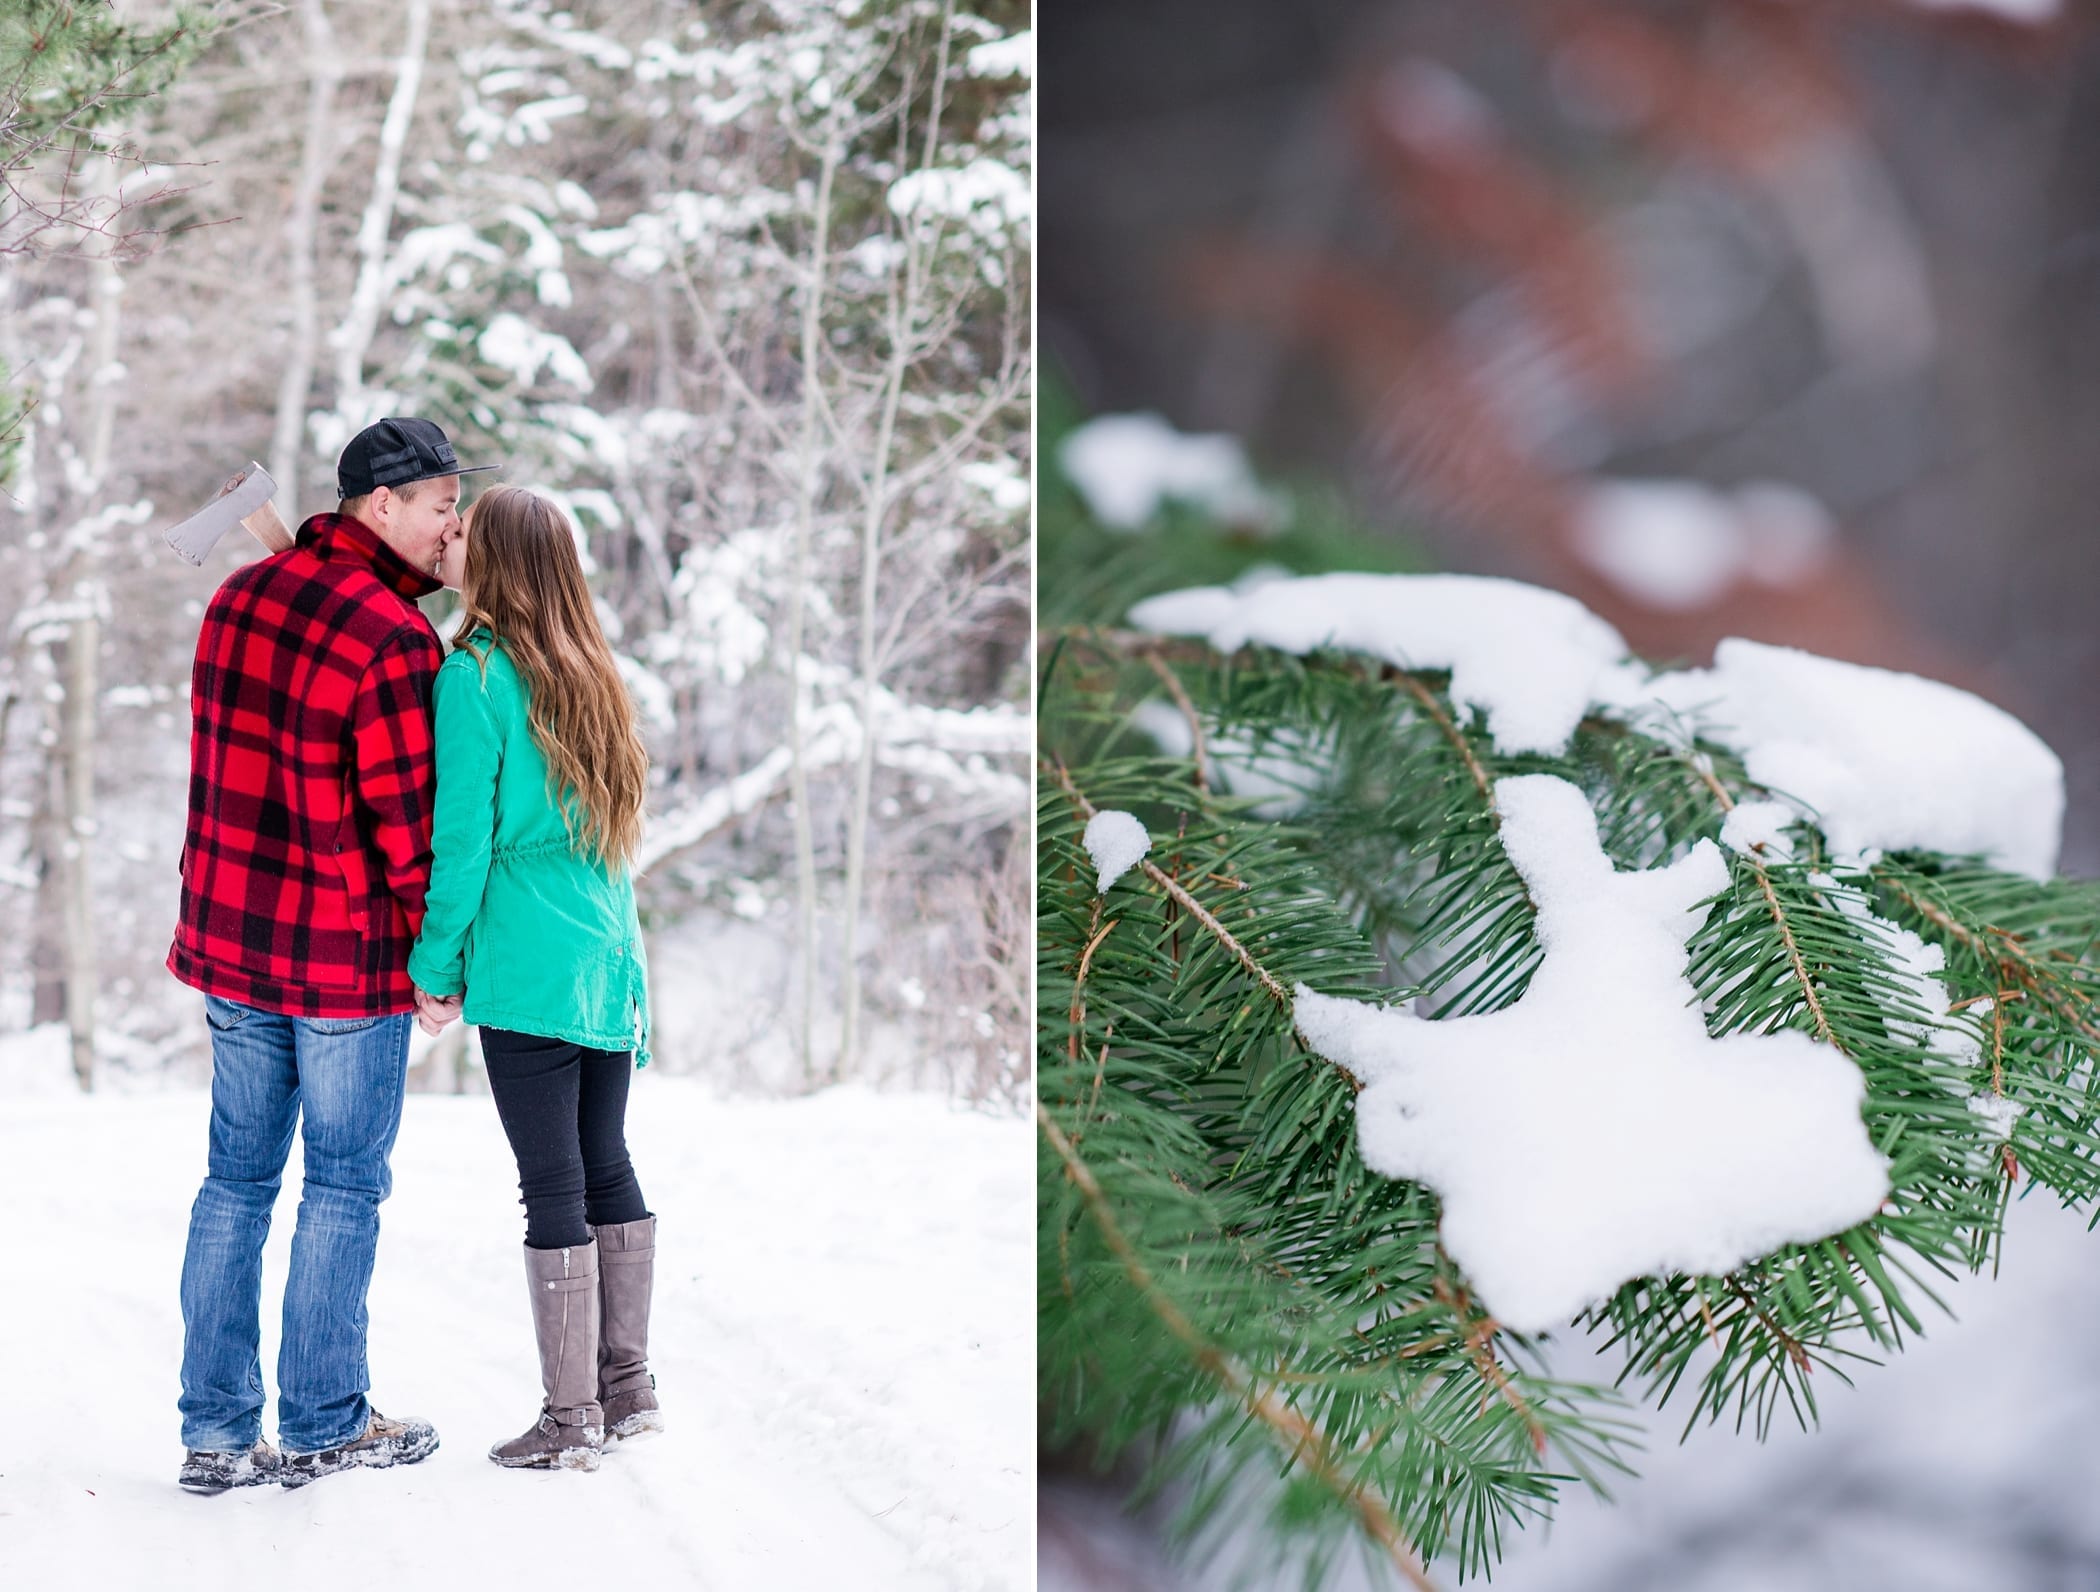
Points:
(433, 1014)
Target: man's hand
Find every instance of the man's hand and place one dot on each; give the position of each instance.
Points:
(434, 1014)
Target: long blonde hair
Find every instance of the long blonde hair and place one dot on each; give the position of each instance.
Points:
(524, 586)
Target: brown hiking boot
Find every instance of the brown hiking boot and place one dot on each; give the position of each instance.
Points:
(571, 1426)
(385, 1442)
(626, 1275)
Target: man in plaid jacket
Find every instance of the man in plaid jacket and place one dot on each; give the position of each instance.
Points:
(303, 874)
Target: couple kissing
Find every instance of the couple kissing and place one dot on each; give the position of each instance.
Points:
(381, 833)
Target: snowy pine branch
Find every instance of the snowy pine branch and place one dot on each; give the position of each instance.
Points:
(1340, 830)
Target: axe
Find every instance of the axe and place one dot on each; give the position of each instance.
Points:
(243, 500)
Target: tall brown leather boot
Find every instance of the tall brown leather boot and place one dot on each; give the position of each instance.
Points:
(565, 1316)
(626, 1276)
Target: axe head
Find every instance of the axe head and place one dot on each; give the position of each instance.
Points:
(240, 497)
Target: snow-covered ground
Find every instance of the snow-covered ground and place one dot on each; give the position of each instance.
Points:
(842, 1338)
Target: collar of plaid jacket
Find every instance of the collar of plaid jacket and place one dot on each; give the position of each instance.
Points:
(339, 536)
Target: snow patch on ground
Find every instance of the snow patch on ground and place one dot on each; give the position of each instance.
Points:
(1116, 842)
(1594, 1132)
(38, 1062)
(841, 1336)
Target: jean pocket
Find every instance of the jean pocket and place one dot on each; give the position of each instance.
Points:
(340, 1025)
(222, 1014)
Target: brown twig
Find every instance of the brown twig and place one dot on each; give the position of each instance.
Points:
(1479, 1338)
(1787, 1341)
(1155, 650)
(1422, 694)
(1300, 1439)
(1097, 931)
(1998, 1044)
(1179, 693)
(1093, 1100)
(1699, 766)
(1706, 1313)
(1793, 952)
(2014, 960)
(1185, 901)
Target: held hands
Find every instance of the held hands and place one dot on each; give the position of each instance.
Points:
(433, 1014)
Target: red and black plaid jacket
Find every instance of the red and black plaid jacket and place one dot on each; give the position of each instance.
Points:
(308, 851)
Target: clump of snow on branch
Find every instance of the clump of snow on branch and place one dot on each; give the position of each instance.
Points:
(1012, 56)
(1533, 661)
(1000, 481)
(952, 749)
(512, 343)
(1887, 761)
(988, 196)
(1998, 1113)
(1128, 467)
(1882, 761)
(1917, 967)
(1594, 1132)
(1679, 545)
(1117, 842)
(1759, 828)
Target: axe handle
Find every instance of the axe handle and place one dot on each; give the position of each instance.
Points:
(268, 527)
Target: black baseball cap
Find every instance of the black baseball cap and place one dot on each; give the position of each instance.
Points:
(396, 451)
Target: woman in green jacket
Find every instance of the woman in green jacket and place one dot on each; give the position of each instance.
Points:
(530, 914)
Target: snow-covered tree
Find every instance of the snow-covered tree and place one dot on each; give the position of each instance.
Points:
(579, 237)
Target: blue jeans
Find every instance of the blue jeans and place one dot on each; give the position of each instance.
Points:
(347, 1076)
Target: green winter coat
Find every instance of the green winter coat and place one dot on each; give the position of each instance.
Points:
(542, 939)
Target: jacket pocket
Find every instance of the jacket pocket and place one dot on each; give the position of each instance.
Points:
(354, 869)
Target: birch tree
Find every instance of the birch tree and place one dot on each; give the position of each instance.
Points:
(927, 298)
(325, 75)
(652, 259)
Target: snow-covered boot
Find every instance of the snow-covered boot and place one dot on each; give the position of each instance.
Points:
(211, 1471)
(571, 1426)
(626, 1277)
(382, 1443)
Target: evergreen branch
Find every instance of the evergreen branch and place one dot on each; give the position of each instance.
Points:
(1793, 952)
(1479, 1335)
(2002, 949)
(1301, 1441)
(1180, 694)
(1257, 1209)
(1795, 1350)
(1704, 770)
(1188, 903)
(1442, 720)
(2010, 1161)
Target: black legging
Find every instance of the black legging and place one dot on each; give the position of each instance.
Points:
(564, 1110)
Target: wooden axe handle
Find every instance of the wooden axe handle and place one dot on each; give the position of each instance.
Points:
(267, 526)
